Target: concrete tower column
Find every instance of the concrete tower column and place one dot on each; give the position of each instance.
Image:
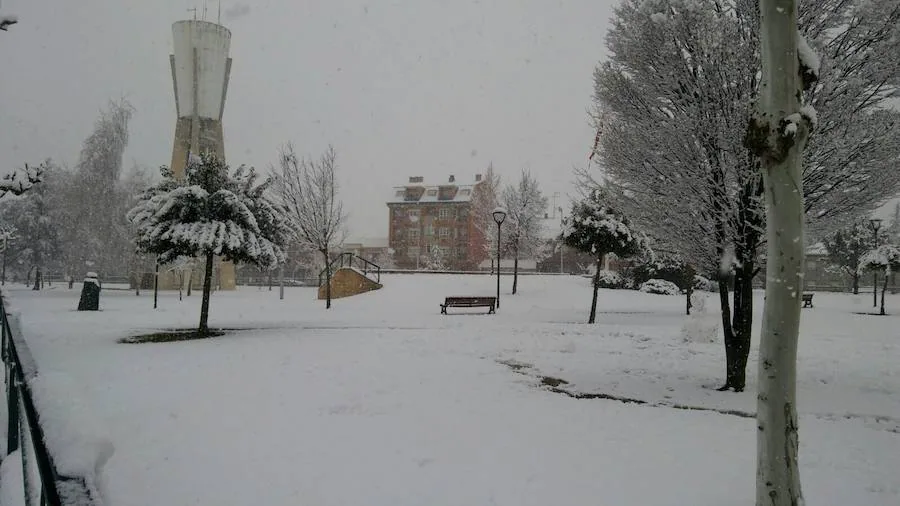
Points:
(200, 71)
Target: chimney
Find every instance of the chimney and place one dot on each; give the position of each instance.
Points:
(452, 178)
(477, 177)
(416, 179)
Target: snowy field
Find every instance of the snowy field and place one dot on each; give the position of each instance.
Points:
(383, 401)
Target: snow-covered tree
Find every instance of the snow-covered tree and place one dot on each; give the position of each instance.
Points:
(213, 211)
(525, 207)
(33, 219)
(96, 200)
(672, 103)
(435, 260)
(8, 234)
(484, 200)
(20, 180)
(884, 259)
(777, 133)
(309, 192)
(595, 228)
(847, 246)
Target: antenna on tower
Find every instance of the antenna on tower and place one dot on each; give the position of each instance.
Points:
(204, 10)
(219, 19)
(194, 10)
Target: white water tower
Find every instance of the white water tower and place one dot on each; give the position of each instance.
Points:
(200, 72)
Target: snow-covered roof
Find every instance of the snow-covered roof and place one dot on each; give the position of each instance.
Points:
(421, 193)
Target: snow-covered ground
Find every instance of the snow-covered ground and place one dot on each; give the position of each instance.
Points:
(383, 401)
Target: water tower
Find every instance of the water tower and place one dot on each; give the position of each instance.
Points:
(200, 71)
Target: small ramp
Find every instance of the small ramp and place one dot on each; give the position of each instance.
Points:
(351, 275)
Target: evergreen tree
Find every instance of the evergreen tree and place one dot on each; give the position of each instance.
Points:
(847, 246)
(596, 228)
(213, 211)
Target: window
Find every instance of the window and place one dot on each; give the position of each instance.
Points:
(431, 193)
(465, 192)
(444, 232)
(412, 233)
(429, 230)
(400, 193)
(412, 251)
(412, 212)
(446, 213)
(462, 231)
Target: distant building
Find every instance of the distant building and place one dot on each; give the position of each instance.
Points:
(434, 222)
(373, 249)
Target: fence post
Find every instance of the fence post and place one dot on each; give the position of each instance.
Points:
(12, 410)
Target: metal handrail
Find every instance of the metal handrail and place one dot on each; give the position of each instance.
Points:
(347, 259)
(55, 489)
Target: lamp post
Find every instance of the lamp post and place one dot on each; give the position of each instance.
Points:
(499, 215)
(875, 224)
(561, 245)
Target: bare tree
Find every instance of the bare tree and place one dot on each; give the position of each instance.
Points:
(777, 134)
(525, 206)
(484, 200)
(6, 20)
(308, 190)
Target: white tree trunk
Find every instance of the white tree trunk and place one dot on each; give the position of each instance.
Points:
(777, 474)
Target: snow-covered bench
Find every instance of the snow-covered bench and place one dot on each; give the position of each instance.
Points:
(488, 302)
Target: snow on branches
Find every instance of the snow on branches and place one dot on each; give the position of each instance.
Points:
(213, 211)
(21, 180)
(885, 257)
(594, 227)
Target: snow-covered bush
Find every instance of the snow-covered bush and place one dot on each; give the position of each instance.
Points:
(704, 284)
(610, 279)
(660, 286)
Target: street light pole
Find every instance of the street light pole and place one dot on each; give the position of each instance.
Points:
(499, 215)
(875, 223)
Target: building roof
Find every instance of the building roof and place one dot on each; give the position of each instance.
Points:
(418, 192)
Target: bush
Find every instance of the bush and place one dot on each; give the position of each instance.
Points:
(660, 286)
(610, 279)
(704, 284)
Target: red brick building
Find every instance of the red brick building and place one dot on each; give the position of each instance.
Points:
(431, 225)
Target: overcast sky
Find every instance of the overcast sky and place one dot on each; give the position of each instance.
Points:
(400, 87)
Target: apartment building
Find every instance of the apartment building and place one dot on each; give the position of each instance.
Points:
(433, 226)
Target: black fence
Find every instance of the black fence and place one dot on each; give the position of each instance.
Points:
(348, 259)
(42, 483)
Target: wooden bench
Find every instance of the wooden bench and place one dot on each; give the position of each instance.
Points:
(488, 302)
(807, 300)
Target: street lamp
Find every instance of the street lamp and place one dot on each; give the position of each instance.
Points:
(562, 229)
(875, 224)
(499, 215)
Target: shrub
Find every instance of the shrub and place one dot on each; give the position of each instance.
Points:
(610, 279)
(660, 286)
(704, 284)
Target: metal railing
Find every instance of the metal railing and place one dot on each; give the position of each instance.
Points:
(349, 259)
(24, 432)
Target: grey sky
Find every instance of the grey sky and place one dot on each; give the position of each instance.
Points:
(400, 87)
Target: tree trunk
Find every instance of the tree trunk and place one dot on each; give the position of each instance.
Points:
(875, 289)
(207, 288)
(515, 272)
(281, 282)
(190, 282)
(884, 289)
(327, 279)
(593, 317)
(777, 473)
(687, 303)
(855, 283)
(37, 279)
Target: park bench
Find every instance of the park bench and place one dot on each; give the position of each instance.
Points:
(807, 300)
(488, 302)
